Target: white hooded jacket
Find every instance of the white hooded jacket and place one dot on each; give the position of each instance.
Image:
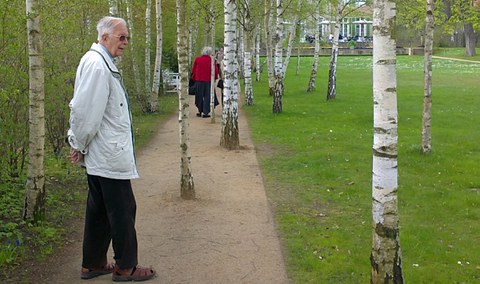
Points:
(100, 118)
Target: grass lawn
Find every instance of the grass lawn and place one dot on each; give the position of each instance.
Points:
(316, 161)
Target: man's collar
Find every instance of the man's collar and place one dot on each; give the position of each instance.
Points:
(106, 51)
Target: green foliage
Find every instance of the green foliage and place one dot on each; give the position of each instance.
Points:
(14, 133)
(316, 161)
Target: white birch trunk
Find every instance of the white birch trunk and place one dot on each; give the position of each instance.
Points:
(247, 58)
(240, 51)
(157, 73)
(193, 26)
(313, 73)
(230, 132)
(269, 47)
(187, 189)
(278, 68)
(297, 69)
(258, 68)
(291, 40)
(212, 63)
(35, 186)
(148, 30)
(427, 90)
(386, 257)
(332, 71)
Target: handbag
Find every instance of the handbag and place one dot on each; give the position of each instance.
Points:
(192, 87)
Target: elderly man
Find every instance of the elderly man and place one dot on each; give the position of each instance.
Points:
(101, 139)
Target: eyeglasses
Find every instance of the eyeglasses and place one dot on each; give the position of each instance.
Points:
(122, 37)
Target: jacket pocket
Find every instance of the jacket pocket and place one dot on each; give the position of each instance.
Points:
(121, 159)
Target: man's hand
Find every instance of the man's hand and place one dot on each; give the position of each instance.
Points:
(75, 156)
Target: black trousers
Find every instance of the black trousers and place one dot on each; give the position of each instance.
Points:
(110, 216)
(202, 97)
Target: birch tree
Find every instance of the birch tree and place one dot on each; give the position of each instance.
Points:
(332, 70)
(386, 257)
(313, 73)
(212, 62)
(157, 73)
(230, 133)
(257, 56)
(292, 36)
(35, 186)
(247, 60)
(187, 188)
(268, 46)
(427, 89)
(148, 30)
(278, 68)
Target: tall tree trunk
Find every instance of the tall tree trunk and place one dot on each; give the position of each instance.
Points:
(240, 51)
(386, 257)
(192, 34)
(35, 186)
(279, 82)
(291, 39)
(212, 62)
(187, 188)
(230, 132)
(148, 12)
(470, 40)
(135, 69)
(247, 60)
(427, 89)
(258, 68)
(297, 68)
(157, 73)
(313, 73)
(332, 71)
(268, 47)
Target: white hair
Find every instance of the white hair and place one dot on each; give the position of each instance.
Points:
(207, 50)
(107, 24)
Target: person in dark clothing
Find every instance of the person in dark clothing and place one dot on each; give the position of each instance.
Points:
(201, 75)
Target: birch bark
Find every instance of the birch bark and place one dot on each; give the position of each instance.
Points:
(313, 73)
(269, 47)
(278, 67)
(386, 257)
(157, 73)
(427, 89)
(247, 60)
(35, 186)
(258, 68)
(332, 71)
(187, 188)
(230, 132)
(212, 62)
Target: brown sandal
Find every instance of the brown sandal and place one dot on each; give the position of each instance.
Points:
(89, 273)
(138, 273)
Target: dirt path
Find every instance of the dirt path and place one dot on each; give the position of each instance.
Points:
(227, 235)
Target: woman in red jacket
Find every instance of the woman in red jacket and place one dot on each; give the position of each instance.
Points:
(201, 73)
